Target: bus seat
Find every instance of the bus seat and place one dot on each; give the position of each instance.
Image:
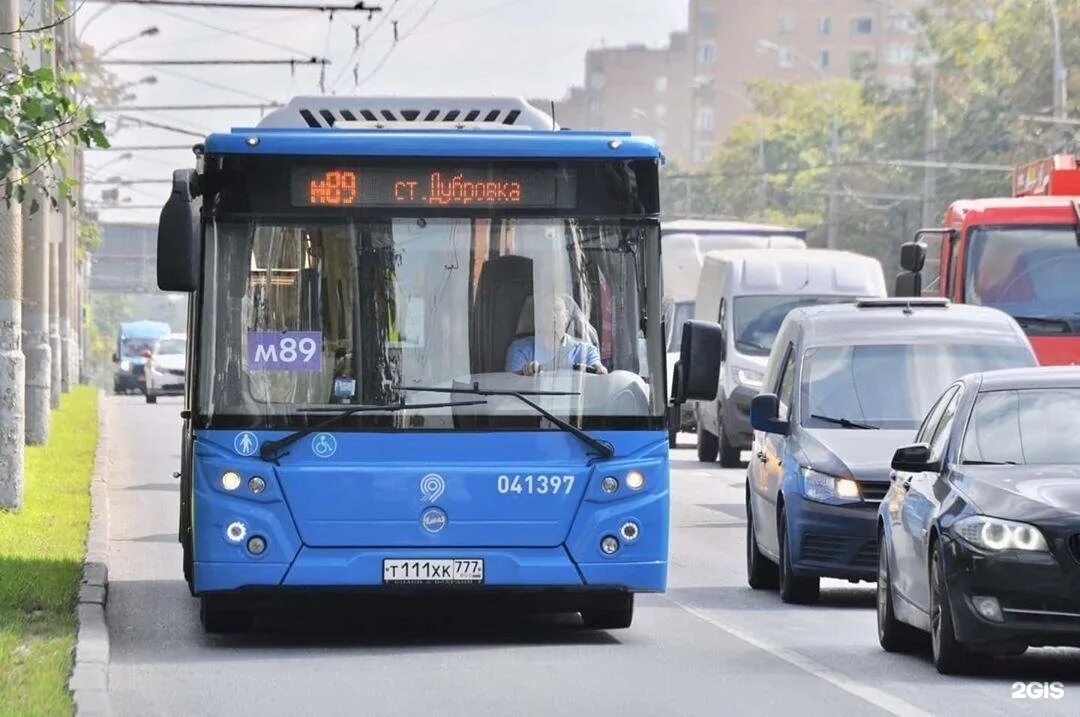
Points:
(504, 284)
(579, 328)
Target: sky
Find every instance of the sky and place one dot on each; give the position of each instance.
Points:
(530, 48)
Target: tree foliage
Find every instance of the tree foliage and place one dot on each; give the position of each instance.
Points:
(41, 121)
(992, 62)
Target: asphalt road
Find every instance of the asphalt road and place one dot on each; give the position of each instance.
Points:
(709, 646)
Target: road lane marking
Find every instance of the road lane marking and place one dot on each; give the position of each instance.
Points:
(879, 698)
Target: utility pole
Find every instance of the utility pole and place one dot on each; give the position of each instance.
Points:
(12, 363)
(1060, 72)
(930, 145)
(66, 279)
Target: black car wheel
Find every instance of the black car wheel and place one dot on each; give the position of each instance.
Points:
(950, 656)
(894, 636)
(707, 445)
(794, 589)
(761, 573)
(616, 613)
(730, 455)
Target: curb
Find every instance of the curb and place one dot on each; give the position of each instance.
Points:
(89, 683)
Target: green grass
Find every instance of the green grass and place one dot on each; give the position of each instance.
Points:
(41, 552)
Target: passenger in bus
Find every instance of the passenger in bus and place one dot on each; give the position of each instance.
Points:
(551, 347)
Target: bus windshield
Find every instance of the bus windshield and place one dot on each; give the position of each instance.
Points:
(301, 316)
(1028, 272)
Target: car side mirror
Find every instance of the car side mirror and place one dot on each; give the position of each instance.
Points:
(697, 372)
(913, 459)
(765, 415)
(912, 256)
(115, 357)
(178, 235)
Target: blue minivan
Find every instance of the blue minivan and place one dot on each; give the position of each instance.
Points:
(846, 385)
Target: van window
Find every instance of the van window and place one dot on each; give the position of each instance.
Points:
(757, 318)
(786, 391)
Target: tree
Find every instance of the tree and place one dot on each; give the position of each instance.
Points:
(41, 121)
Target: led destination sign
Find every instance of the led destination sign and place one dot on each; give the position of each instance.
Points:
(441, 186)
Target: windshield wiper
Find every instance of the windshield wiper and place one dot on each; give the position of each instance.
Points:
(603, 448)
(845, 422)
(989, 463)
(752, 345)
(272, 450)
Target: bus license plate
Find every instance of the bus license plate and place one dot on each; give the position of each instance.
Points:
(449, 571)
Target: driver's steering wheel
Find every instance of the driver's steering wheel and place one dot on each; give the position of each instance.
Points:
(586, 368)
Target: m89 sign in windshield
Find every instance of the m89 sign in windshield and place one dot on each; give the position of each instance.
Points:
(433, 187)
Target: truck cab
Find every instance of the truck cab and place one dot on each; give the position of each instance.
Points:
(1019, 254)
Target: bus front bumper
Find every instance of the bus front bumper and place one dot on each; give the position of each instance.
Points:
(362, 569)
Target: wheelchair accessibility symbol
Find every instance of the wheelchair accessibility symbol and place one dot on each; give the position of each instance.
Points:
(246, 443)
(324, 445)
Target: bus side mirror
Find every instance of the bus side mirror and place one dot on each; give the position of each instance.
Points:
(912, 256)
(178, 235)
(765, 415)
(697, 373)
(908, 283)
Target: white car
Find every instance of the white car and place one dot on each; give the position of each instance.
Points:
(165, 367)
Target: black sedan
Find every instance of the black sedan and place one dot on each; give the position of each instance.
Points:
(979, 533)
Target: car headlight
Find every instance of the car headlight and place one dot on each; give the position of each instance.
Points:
(125, 365)
(998, 534)
(829, 489)
(749, 377)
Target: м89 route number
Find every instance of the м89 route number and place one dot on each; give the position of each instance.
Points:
(539, 485)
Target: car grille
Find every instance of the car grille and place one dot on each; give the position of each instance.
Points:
(873, 491)
(839, 549)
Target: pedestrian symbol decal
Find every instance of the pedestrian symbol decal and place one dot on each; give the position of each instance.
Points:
(324, 445)
(246, 443)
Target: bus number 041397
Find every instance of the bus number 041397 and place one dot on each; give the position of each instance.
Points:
(540, 484)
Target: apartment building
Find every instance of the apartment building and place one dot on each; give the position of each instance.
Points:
(637, 88)
(734, 41)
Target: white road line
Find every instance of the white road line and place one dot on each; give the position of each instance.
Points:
(879, 698)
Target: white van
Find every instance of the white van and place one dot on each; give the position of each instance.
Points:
(684, 246)
(749, 292)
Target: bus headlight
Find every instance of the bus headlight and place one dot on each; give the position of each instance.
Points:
(635, 480)
(256, 545)
(609, 544)
(230, 480)
(125, 365)
(629, 531)
(257, 484)
(610, 484)
(236, 532)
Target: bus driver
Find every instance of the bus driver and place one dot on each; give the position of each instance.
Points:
(551, 347)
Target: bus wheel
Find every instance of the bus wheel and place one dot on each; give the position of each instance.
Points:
(218, 619)
(614, 613)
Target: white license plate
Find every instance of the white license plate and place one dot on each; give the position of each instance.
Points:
(445, 571)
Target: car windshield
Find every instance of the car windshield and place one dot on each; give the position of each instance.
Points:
(1029, 273)
(302, 315)
(891, 386)
(171, 346)
(1026, 426)
(133, 348)
(757, 319)
(681, 312)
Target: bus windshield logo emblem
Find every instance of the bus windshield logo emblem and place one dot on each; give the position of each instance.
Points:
(433, 520)
(432, 487)
(246, 443)
(324, 445)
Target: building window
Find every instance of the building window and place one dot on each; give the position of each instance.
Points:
(899, 54)
(824, 25)
(660, 84)
(706, 53)
(785, 57)
(823, 59)
(707, 20)
(596, 80)
(862, 26)
(705, 119)
(787, 23)
(901, 23)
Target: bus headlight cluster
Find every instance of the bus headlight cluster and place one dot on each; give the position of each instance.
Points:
(629, 531)
(609, 545)
(610, 484)
(634, 480)
(230, 480)
(236, 532)
(257, 485)
(256, 545)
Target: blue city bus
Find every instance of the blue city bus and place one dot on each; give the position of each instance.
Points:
(133, 341)
(426, 355)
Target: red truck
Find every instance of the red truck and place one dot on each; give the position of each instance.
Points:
(1020, 254)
